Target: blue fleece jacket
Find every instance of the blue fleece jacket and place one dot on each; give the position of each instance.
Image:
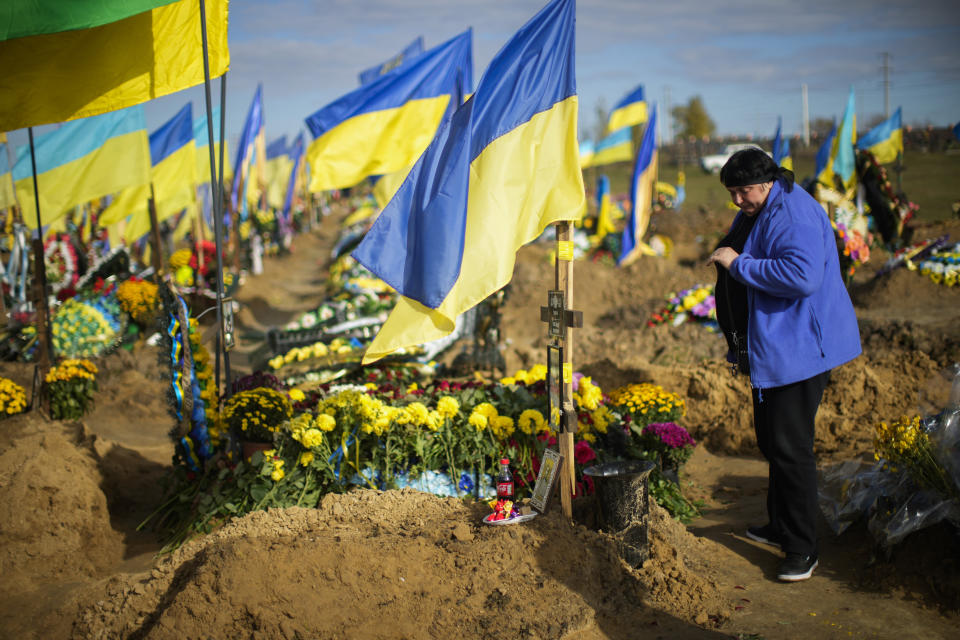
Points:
(801, 320)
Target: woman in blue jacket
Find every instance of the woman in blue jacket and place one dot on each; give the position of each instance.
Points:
(788, 321)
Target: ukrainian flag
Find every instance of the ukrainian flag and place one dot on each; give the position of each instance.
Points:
(296, 154)
(616, 147)
(384, 126)
(631, 110)
(277, 172)
(82, 160)
(8, 197)
(641, 195)
(409, 52)
(605, 209)
(842, 160)
(252, 128)
(586, 153)
(884, 141)
(202, 140)
(55, 77)
(823, 153)
(173, 178)
(498, 172)
(781, 149)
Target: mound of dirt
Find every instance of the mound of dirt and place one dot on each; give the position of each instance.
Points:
(65, 529)
(373, 564)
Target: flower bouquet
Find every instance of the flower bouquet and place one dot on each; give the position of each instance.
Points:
(13, 398)
(138, 298)
(70, 387)
(696, 304)
(256, 415)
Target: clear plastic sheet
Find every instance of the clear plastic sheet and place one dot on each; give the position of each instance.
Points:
(890, 501)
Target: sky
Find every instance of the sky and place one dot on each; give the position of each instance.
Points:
(747, 59)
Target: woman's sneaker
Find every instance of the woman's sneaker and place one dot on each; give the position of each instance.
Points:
(764, 535)
(797, 567)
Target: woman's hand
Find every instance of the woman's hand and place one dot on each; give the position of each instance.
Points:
(724, 256)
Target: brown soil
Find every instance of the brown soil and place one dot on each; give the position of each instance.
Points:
(408, 565)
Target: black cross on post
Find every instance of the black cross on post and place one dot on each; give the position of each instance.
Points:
(559, 317)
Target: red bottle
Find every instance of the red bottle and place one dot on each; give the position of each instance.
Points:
(505, 481)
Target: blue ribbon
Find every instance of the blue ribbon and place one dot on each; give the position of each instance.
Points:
(175, 355)
(339, 453)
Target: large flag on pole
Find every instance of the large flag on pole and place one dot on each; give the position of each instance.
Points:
(641, 194)
(173, 177)
(884, 141)
(82, 160)
(503, 168)
(409, 52)
(842, 160)
(823, 153)
(615, 147)
(202, 140)
(384, 126)
(781, 149)
(296, 154)
(56, 77)
(277, 172)
(630, 110)
(252, 127)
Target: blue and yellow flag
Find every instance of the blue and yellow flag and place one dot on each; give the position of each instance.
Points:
(409, 52)
(641, 195)
(296, 154)
(8, 196)
(605, 211)
(781, 149)
(252, 127)
(884, 141)
(631, 110)
(823, 153)
(56, 77)
(173, 176)
(842, 161)
(202, 140)
(616, 147)
(82, 160)
(384, 126)
(498, 172)
(277, 172)
(586, 153)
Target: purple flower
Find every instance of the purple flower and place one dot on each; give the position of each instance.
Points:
(670, 433)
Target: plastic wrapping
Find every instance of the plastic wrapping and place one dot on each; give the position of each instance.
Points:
(887, 497)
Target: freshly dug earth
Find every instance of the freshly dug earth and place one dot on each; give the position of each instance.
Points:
(407, 565)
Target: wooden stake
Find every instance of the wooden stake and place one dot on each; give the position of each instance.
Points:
(155, 235)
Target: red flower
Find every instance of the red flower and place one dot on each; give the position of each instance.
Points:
(582, 453)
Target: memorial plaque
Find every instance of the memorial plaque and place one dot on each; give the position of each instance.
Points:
(543, 489)
(229, 331)
(557, 324)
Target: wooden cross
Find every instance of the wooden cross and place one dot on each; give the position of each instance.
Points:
(559, 316)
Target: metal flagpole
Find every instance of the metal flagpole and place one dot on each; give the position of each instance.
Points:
(214, 182)
(220, 196)
(43, 311)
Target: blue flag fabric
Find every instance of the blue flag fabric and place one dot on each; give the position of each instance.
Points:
(384, 126)
(409, 52)
(823, 153)
(251, 127)
(641, 193)
(296, 153)
(277, 148)
(778, 151)
(503, 167)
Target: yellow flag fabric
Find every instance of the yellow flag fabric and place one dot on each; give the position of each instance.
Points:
(83, 160)
(277, 175)
(7, 195)
(75, 74)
